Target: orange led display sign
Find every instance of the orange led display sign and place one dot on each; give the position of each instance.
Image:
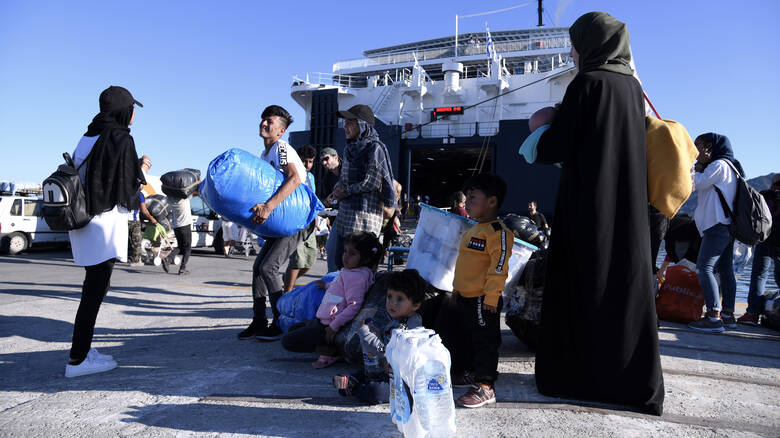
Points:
(447, 110)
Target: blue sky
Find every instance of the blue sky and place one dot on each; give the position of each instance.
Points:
(205, 70)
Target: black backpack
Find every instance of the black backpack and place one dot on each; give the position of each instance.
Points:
(751, 220)
(64, 198)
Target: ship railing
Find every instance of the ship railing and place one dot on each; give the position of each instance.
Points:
(404, 75)
(467, 49)
(443, 129)
(320, 78)
(356, 81)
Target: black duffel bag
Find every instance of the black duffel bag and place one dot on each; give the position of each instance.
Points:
(157, 206)
(524, 309)
(180, 183)
(524, 229)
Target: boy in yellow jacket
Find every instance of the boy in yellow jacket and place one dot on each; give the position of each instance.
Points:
(480, 274)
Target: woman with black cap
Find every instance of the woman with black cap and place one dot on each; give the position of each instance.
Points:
(112, 179)
(599, 339)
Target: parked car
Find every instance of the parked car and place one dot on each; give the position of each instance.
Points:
(22, 226)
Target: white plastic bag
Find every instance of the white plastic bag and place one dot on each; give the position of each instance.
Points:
(421, 369)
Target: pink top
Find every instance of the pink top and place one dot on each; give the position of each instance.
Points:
(344, 297)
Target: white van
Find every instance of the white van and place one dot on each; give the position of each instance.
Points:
(22, 226)
(206, 226)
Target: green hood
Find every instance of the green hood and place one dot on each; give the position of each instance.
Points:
(602, 43)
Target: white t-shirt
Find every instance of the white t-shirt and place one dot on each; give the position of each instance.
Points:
(280, 154)
(321, 226)
(709, 210)
(179, 212)
(105, 236)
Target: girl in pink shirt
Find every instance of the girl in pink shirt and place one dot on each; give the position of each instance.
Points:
(342, 301)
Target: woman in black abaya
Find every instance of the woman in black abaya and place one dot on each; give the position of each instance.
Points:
(598, 327)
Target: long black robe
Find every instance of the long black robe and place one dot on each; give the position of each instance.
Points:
(599, 339)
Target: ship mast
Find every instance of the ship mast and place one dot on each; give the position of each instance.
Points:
(539, 9)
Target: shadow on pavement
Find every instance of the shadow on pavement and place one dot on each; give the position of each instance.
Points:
(267, 421)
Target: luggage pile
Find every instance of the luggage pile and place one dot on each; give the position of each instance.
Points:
(434, 249)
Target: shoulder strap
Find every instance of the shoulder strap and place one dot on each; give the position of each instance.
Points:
(69, 160)
(723, 202)
(739, 175)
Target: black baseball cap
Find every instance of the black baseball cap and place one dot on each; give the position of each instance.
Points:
(362, 112)
(115, 97)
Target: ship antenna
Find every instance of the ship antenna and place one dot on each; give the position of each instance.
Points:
(540, 14)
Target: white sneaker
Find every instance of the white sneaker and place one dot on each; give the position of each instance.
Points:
(95, 354)
(136, 264)
(89, 366)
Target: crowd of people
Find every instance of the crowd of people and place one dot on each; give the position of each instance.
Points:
(598, 310)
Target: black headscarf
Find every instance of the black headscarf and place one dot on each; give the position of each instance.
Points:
(114, 176)
(602, 43)
(721, 149)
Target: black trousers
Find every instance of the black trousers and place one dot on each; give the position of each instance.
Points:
(184, 241)
(371, 391)
(306, 337)
(472, 335)
(267, 272)
(96, 283)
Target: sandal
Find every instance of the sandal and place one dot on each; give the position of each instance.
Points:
(324, 361)
(344, 384)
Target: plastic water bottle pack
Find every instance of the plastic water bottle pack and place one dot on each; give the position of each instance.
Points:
(421, 403)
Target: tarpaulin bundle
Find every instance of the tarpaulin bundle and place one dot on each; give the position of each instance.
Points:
(180, 183)
(237, 180)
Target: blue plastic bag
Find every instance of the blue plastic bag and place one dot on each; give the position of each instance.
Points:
(301, 303)
(237, 180)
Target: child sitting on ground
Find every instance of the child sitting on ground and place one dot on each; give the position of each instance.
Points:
(480, 274)
(342, 301)
(405, 293)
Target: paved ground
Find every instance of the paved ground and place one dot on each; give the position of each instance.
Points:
(183, 372)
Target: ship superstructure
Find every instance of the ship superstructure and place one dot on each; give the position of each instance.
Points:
(449, 107)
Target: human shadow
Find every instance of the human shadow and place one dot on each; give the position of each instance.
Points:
(135, 300)
(227, 283)
(259, 420)
(747, 346)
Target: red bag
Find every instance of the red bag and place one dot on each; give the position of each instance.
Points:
(680, 298)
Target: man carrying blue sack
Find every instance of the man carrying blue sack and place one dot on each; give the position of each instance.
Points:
(266, 273)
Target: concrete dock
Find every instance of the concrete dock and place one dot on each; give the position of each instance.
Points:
(182, 371)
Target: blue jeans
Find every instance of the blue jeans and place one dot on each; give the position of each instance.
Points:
(717, 254)
(765, 255)
(334, 247)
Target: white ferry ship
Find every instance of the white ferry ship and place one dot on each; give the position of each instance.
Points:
(448, 107)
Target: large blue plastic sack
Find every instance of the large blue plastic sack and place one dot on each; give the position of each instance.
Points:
(237, 180)
(301, 303)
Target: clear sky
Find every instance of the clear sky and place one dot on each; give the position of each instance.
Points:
(205, 70)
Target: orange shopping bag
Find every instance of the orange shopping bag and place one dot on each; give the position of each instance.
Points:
(680, 298)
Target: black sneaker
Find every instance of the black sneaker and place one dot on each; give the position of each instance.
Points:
(705, 325)
(184, 272)
(166, 264)
(728, 321)
(270, 333)
(477, 396)
(463, 380)
(250, 332)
